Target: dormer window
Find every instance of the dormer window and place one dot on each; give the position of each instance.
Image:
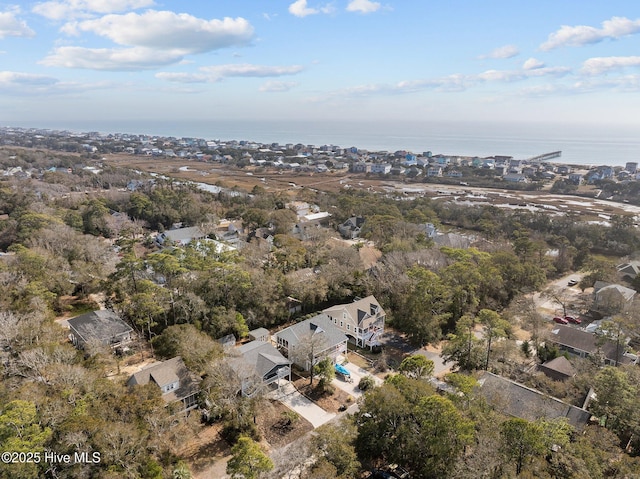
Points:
(170, 387)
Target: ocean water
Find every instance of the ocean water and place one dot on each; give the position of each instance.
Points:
(580, 144)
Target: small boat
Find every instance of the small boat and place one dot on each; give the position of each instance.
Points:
(343, 372)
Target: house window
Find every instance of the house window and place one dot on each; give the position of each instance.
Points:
(341, 324)
(348, 327)
(344, 315)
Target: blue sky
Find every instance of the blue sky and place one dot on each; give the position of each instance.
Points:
(569, 61)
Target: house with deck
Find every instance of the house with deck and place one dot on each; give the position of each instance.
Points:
(362, 320)
(258, 365)
(100, 327)
(178, 386)
(311, 341)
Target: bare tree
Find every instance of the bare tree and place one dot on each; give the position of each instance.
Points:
(309, 351)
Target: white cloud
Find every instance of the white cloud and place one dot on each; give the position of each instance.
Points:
(29, 84)
(581, 35)
(166, 30)
(246, 70)
(11, 79)
(626, 84)
(67, 9)
(299, 8)
(215, 73)
(178, 77)
(10, 26)
(599, 65)
(155, 38)
(532, 64)
(277, 86)
(111, 59)
(507, 51)
(449, 83)
(363, 6)
(517, 75)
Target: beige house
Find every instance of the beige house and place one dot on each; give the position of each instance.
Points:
(362, 320)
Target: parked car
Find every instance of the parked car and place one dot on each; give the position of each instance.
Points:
(391, 472)
(572, 282)
(560, 320)
(573, 320)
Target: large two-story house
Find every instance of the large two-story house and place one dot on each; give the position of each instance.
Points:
(362, 320)
(310, 341)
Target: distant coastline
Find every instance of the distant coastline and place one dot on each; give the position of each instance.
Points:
(580, 145)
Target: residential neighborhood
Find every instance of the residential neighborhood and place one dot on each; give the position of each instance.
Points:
(148, 313)
(503, 171)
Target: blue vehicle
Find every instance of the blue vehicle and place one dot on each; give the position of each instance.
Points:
(343, 373)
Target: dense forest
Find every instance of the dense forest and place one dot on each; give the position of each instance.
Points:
(72, 240)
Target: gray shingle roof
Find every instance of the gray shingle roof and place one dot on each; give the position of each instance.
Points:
(101, 325)
(359, 310)
(517, 400)
(584, 341)
(560, 365)
(259, 333)
(600, 288)
(165, 373)
(320, 324)
(184, 235)
(256, 357)
(632, 268)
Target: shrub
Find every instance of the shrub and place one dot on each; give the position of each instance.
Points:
(366, 382)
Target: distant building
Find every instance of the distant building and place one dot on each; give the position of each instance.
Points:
(361, 167)
(611, 296)
(629, 270)
(351, 228)
(515, 178)
(576, 178)
(434, 171)
(631, 167)
(180, 236)
(381, 168)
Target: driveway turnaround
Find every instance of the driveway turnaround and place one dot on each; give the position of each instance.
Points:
(290, 397)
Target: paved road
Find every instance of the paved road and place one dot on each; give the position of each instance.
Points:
(439, 367)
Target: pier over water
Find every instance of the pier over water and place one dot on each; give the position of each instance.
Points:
(546, 156)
